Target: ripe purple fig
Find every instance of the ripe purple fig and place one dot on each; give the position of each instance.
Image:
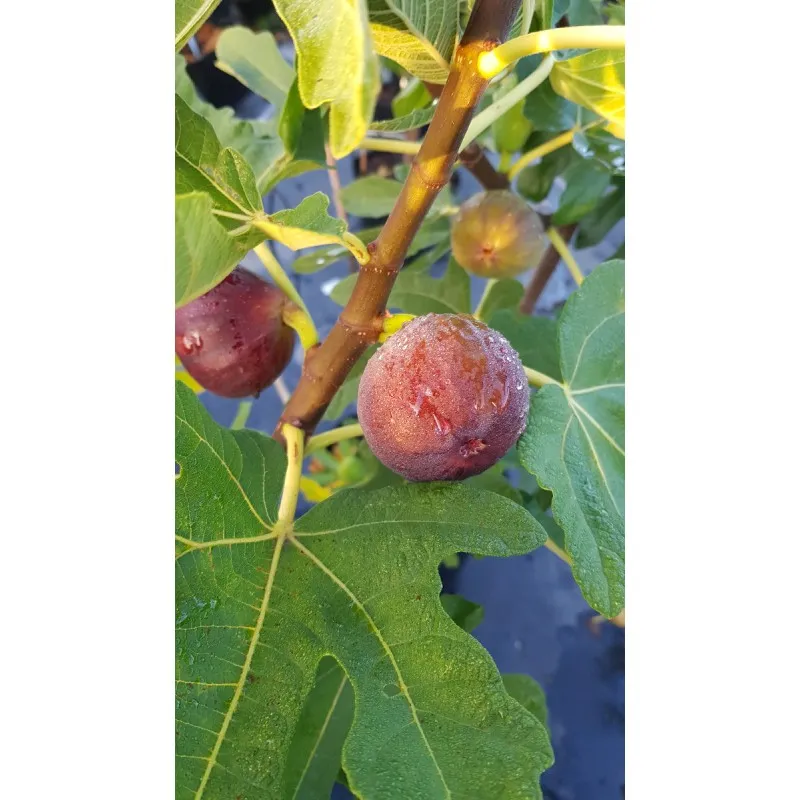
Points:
(497, 234)
(233, 340)
(445, 398)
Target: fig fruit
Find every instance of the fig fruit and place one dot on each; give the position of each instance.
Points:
(497, 234)
(233, 340)
(445, 398)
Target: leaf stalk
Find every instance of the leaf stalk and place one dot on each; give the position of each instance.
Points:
(580, 37)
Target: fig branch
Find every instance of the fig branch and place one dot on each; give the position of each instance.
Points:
(361, 321)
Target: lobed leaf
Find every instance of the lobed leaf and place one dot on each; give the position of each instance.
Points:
(575, 439)
(255, 61)
(356, 580)
(306, 225)
(335, 64)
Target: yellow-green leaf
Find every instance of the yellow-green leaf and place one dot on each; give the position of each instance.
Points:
(420, 35)
(336, 64)
(307, 225)
(596, 81)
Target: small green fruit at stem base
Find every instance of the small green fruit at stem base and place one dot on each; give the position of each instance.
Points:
(497, 234)
(233, 340)
(445, 398)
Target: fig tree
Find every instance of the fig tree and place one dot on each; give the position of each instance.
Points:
(233, 340)
(445, 398)
(496, 234)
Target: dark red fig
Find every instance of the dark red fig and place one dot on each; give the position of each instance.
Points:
(497, 234)
(233, 340)
(445, 398)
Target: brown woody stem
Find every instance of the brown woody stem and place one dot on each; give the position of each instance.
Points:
(474, 158)
(543, 272)
(361, 320)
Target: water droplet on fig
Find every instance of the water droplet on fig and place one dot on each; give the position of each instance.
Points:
(443, 426)
(193, 342)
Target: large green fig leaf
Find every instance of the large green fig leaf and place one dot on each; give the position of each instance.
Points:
(189, 16)
(355, 579)
(575, 440)
(420, 35)
(595, 80)
(336, 64)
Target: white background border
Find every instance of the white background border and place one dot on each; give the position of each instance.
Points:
(87, 252)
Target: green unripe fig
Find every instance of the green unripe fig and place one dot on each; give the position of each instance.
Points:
(497, 234)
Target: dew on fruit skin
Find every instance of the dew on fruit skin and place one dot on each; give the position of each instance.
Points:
(443, 426)
(193, 342)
